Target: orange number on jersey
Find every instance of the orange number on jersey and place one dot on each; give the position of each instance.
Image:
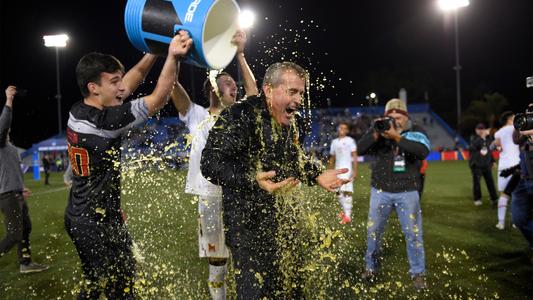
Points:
(79, 159)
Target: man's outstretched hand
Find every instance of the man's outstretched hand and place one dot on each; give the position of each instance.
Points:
(329, 181)
(264, 179)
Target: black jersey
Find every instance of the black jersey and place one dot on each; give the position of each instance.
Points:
(94, 139)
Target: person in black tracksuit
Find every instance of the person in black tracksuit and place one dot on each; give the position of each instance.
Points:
(46, 168)
(253, 150)
(93, 217)
(481, 162)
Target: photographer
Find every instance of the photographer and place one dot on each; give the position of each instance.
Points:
(398, 149)
(521, 206)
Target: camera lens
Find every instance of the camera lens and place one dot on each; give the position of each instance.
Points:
(382, 125)
(523, 122)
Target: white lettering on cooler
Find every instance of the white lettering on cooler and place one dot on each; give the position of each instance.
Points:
(190, 11)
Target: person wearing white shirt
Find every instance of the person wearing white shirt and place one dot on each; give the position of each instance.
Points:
(343, 154)
(509, 157)
(221, 91)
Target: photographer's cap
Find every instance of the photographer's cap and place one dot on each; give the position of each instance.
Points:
(396, 106)
(481, 126)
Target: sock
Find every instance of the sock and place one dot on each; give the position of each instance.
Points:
(340, 197)
(347, 207)
(502, 208)
(217, 285)
(346, 204)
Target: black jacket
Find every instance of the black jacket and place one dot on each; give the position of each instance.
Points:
(480, 152)
(414, 149)
(245, 140)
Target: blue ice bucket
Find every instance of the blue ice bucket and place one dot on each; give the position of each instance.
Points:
(151, 25)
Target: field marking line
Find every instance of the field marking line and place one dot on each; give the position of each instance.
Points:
(50, 191)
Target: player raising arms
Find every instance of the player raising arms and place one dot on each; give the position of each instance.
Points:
(93, 217)
(222, 92)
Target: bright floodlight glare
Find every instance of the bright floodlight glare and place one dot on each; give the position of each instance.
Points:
(246, 19)
(59, 40)
(453, 4)
(372, 95)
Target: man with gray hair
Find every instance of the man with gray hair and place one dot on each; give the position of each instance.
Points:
(254, 152)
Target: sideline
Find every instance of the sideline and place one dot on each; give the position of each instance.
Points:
(50, 191)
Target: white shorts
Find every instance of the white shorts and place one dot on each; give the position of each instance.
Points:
(211, 240)
(503, 181)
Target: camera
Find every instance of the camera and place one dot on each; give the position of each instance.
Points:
(510, 171)
(524, 121)
(384, 124)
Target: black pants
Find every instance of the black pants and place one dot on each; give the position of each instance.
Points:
(46, 176)
(255, 254)
(107, 262)
(486, 172)
(18, 225)
(421, 188)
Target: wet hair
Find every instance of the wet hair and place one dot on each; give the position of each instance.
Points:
(505, 116)
(91, 66)
(274, 72)
(207, 83)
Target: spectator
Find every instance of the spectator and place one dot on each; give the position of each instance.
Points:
(481, 162)
(46, 169)
(13, 194)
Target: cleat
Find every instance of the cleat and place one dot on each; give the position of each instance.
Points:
(33, 268)
(419, 282)
(345, 220)
(369, 276)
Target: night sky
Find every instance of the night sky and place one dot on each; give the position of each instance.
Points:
(351, 48)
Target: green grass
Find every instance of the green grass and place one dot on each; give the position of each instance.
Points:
(467, 257)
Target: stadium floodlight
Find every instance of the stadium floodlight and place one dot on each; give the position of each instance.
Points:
(246, 19)
(57, 41)
(372, 95)
(454, 5)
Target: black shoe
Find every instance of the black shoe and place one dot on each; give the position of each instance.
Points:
(419, 282)
(32, 268)
(369, 276)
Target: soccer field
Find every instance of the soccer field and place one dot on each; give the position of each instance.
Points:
(466, 256)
